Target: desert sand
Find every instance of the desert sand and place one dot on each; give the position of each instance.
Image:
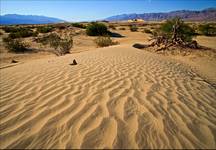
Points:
(116, 97)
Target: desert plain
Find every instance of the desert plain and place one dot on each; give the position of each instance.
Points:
(115, 97)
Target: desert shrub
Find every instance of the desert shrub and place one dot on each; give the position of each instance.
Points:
(65, 45)
(78, 25)
(21, 33)
(96, 29)
(43, 40)
(61, 26)
(1, 33)
(122, 28)
(6, 39)
(133, 28)
(44, 29)
(112, 27)
(207, 29)
(174, 33)
(35, 34)
(183, 31)
(15, 45)
(103, 41)
(52, 39)
(61, 46)
(147, 31)
(9, 29)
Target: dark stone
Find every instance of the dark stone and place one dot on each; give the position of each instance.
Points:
(74, 62)
(14, 61)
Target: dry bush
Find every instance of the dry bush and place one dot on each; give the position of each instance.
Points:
(103, 41)
(133, 28)
(44, 29)
(112, 27)
(64, 46)
(19, 32)
(174, 32)
(79, 25)
(15, 45)
(207, 29)
(61, 45)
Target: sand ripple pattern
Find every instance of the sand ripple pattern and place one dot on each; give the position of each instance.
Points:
(116, 97)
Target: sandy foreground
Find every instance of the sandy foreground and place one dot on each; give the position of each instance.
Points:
(116, 97)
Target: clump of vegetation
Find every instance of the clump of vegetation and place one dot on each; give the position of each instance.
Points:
(112, 27)
(44, 29)
(174, 32)
(133, 28)
(15, 45)
(6, 39)
(9, 29)
(61, 46)
(147, 31)
(97, 29)
(51, 39)
(61, 26)
(103, 41)
(122, 28)
(19, 32)
(65, 45)
(78, 25)
(207, 29)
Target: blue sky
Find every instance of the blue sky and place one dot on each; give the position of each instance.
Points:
(85, 10)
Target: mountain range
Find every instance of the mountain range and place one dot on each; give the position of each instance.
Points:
(208, 14)
(27, 19)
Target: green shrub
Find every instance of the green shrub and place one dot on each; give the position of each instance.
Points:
(22, 34)
(103, 41)
(78, 25)
(9, 29)
(97, 29)
(35, 34)
(147, 31)
(6, 39)
(183, 32)
(44, 29)
(15, 45)
(133, 28)
(207, 29)
(19, 32)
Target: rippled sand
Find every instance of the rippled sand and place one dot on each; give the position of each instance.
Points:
(116, 97)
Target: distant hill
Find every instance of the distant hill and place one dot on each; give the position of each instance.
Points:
(27, 19)
(204, 15)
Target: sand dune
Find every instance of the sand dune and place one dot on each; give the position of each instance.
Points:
(116, 97)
